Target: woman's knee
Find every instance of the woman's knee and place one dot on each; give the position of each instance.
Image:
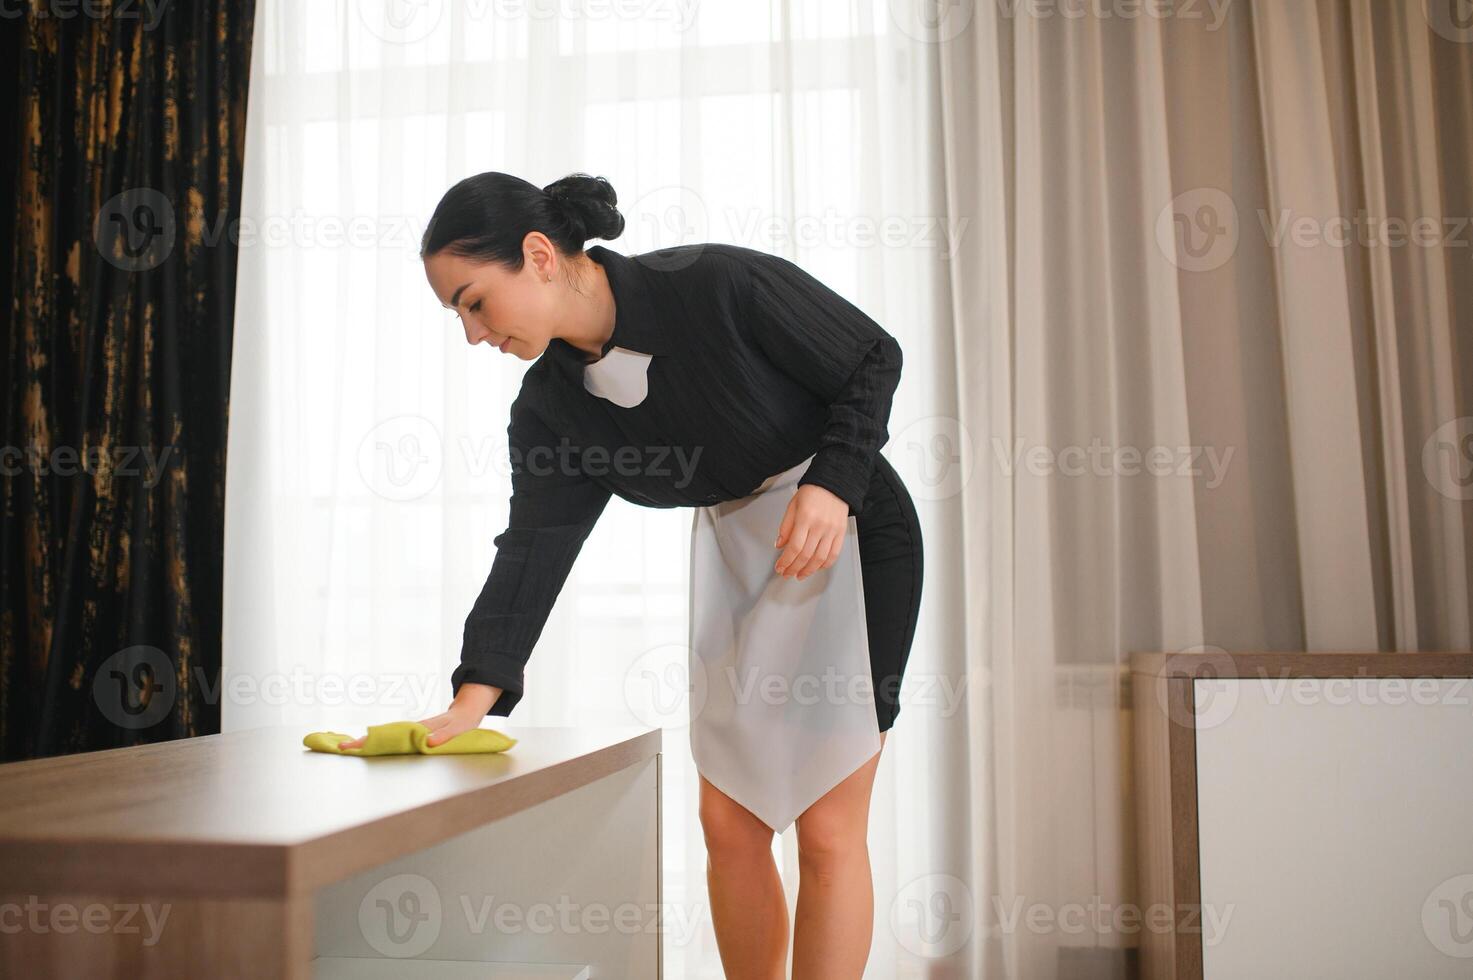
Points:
(729, 827)
(829, 838)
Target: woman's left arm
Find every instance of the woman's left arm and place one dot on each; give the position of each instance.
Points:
(853, 365)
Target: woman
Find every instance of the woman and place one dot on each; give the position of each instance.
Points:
(724, 379)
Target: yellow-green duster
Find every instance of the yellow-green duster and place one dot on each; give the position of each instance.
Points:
(409, 738)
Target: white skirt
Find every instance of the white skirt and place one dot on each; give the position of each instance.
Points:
(782, 696)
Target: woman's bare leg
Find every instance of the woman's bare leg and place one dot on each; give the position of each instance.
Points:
(748, 908)
(834, 924)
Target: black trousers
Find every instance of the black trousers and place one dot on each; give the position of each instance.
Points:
(891, 560)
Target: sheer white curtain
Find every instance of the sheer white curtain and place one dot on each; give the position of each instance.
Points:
(367, 459)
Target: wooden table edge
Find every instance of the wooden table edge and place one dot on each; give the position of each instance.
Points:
(145, 868)
(1253, 666)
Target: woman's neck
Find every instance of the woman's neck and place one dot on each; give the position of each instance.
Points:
(594, 311)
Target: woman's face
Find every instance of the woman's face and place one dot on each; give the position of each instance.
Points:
(512, 311)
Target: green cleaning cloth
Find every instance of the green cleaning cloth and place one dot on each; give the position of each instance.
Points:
(408, 738)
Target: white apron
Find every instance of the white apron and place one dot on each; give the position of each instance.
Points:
(783, 697)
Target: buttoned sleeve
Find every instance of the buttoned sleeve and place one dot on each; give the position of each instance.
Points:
(554, 505)
(838, 352)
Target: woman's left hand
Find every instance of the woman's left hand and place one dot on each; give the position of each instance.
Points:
(812, 531)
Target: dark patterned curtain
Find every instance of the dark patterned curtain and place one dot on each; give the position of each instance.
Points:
(129, 121)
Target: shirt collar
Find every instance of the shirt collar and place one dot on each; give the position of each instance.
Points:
(637, 324)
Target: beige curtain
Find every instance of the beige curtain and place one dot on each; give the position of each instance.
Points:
(1212, 326)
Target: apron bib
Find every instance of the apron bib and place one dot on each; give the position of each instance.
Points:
(782, 706)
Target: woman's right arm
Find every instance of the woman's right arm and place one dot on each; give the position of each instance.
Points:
(554, 506)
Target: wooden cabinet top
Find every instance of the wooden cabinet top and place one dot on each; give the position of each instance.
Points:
(256, 813)
(1211, 663)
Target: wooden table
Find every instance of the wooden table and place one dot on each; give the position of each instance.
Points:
(246, 855)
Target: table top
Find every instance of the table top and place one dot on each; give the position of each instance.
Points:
(254, 812)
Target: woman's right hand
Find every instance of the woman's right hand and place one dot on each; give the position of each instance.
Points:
(471, 704)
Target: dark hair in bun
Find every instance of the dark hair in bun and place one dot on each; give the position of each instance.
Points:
(486, 216)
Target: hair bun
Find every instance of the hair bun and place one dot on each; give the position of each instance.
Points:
(589, 204)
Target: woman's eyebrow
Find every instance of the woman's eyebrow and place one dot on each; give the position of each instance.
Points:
(455, 297)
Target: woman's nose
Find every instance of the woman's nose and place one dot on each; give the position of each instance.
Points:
(475, 333)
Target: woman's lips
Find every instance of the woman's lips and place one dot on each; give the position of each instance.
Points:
(502, 346)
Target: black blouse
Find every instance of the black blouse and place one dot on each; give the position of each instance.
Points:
(756, 366)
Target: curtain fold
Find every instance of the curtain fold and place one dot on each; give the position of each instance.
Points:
(1188, 253)
(129, 127)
